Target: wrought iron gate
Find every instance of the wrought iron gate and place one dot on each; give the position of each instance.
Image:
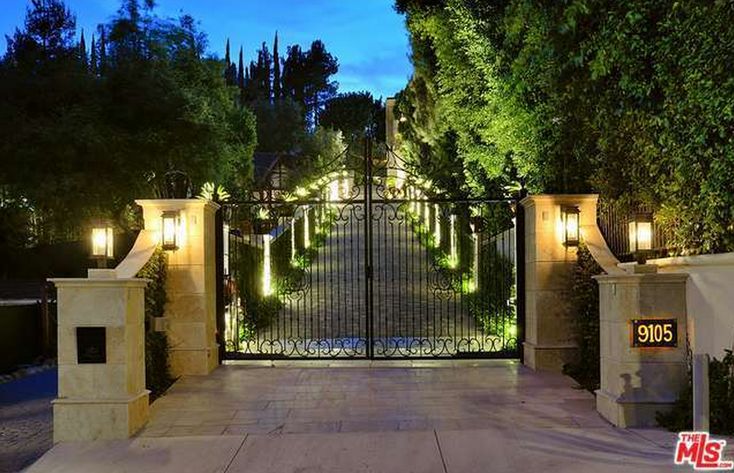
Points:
(369, 261)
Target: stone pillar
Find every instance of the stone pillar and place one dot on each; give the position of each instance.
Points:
(549, 266)
(190, 285)
(101, 356)
(638, 382)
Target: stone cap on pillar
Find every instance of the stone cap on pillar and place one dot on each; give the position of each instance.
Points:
(641, 278)
(99, 282)
(177, 204)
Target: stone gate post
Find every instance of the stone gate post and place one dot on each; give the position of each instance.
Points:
(101, 358)
(549, 266)
(190, 311)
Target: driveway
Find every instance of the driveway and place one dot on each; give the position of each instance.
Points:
(444, 417)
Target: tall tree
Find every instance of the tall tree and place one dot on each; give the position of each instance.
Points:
(320, 65)
(230, 71)
(355, 114)
(83, 58)
(277, 94)
(102, 53)
(93, 57)
(241, 82)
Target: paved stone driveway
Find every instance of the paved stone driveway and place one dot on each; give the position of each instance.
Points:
(451, 417)
(412, 304)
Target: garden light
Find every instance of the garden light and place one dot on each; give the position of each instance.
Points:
(570, 220)
(267, 275)
(293, 241)
(437, 225)
(454, 257)
(306, 236)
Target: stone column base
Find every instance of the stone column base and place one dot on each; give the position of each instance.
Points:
(99, 419)
(196, 361)
(547, 358)
(625, 413)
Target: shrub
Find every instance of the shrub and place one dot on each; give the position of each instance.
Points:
(584, 367)
(721, 398)
(158, 376)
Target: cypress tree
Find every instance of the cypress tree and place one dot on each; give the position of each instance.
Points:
(83, 59)
(230, 71)
(93, 57)
(102, 65)
(266, 72)
(241, 77)
(277, 91)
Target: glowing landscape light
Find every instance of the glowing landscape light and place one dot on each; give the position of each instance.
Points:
(437, 225)
(475, 264)
(306, 236)
(454, 257)
(267, 275)
(293, 240)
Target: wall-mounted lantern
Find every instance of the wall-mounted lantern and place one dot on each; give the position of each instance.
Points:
(570, 219)
(170, 221)
(103, 243)
(640, 235)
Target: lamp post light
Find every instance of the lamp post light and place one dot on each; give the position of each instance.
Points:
(306, 229)
(570, 218)
(170, 222)
(103, 243)
(476, 226)
(640, 235)
(267, 272)
(437, 225)
(293, 240)
(454, 256)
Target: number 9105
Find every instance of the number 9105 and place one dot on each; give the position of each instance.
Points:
(654, 333)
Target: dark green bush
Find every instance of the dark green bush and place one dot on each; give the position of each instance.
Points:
(584, 367)
(721, 398)
(158, 376)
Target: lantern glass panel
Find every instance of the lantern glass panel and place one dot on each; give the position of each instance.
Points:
(571, 226)
(102, 242)
(169, 230)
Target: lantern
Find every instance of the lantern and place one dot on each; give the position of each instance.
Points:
(570, 219)
(170, 221)
(103, 243)
(640, 233)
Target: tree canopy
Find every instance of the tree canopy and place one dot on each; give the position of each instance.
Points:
(85, 132)
(355, 114)
(631, 99)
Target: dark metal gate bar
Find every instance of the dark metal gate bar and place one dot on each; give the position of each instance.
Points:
(373, 263)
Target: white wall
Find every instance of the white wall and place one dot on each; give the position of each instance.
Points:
(710, 299)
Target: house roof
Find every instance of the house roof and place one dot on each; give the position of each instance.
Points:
(264, 165)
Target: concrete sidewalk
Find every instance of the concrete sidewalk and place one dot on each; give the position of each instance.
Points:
(487, 416)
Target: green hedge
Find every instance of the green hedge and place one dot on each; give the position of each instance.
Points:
(721, 398)
(158, 376)
(584, 367)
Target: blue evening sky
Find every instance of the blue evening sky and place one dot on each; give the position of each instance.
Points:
(367, 36)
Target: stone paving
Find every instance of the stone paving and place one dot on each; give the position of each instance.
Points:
(450, 417)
